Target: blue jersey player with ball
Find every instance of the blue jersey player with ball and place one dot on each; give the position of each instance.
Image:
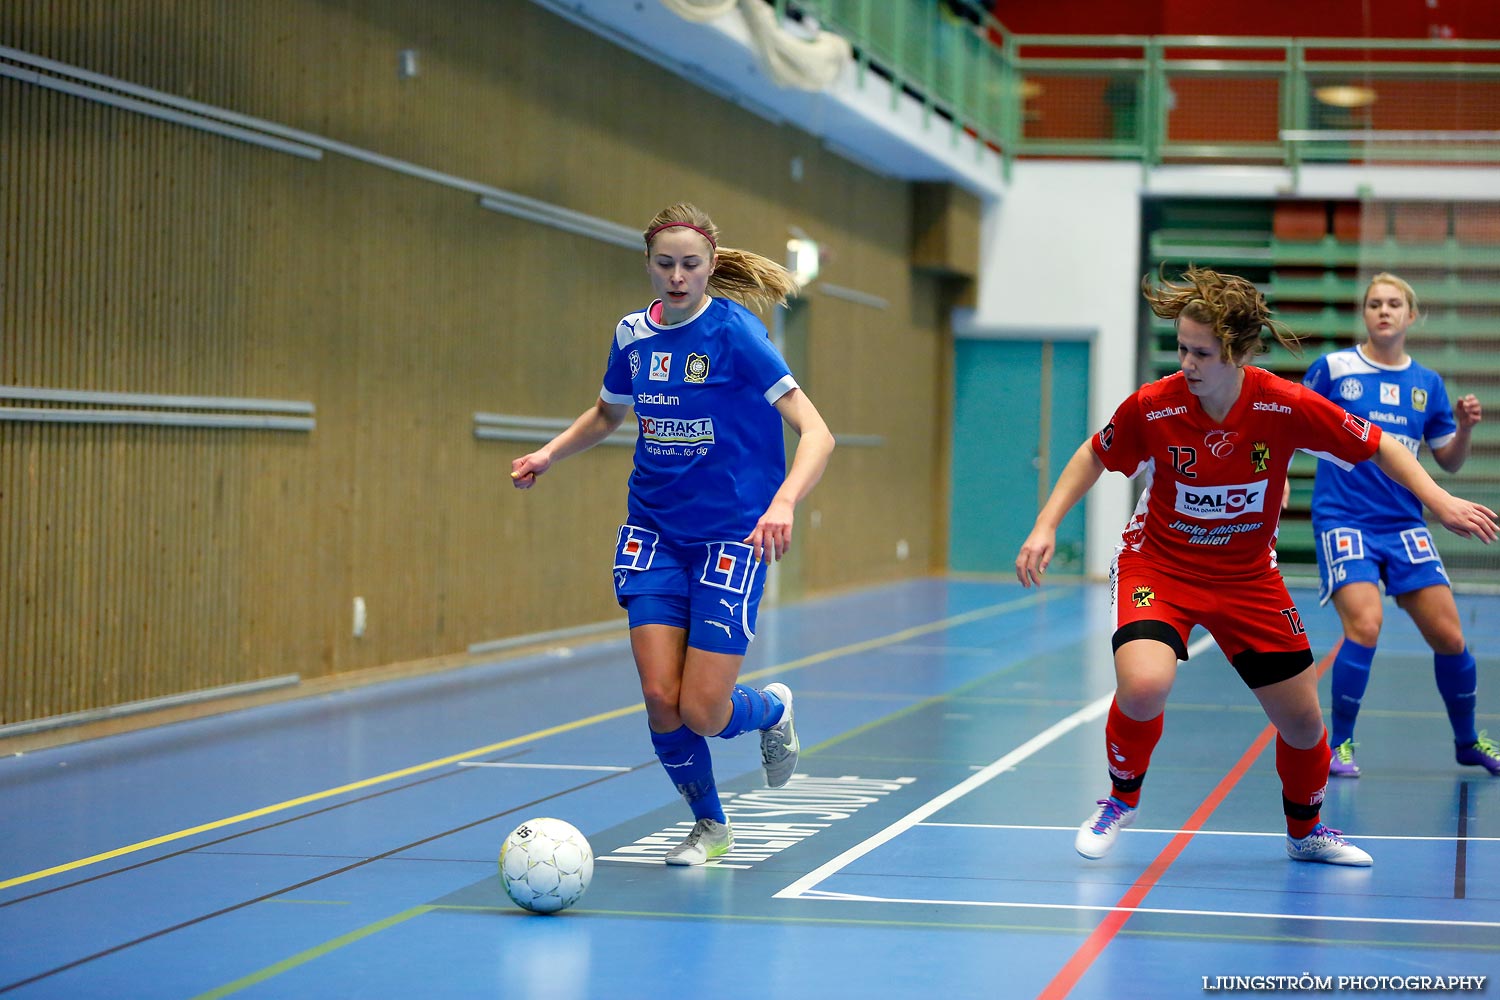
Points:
(710, 503)
(1370, 529)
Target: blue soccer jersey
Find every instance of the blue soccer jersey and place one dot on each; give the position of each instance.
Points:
(710, 455)
(1409, 403)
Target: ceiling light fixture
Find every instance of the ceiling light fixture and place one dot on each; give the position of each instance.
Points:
(1345, 96)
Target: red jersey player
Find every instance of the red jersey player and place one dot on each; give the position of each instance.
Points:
(1216, 439)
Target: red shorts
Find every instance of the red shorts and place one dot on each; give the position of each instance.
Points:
(1253, 620)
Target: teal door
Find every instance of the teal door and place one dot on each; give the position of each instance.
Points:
(1020, 411)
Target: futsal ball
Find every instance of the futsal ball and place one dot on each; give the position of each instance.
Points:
(545, 865)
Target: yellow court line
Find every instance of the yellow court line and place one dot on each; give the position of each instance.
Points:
(302, 958)
(319, 951)
(806, 661)
(354, 786)
(327, 947)
(901, 636)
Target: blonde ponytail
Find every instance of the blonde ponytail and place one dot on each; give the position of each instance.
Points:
(746, 277)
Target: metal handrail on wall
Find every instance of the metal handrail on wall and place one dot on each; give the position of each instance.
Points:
(1169, 98)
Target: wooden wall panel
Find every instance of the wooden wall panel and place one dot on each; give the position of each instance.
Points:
(143, 256)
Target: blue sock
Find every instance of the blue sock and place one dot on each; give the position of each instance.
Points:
(684, 755)
(1351, 673)
(752, 710)
(1458, 683)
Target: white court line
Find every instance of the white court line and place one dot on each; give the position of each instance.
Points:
(857, 898)
(657, 862)
(1088, 713)
(1203, 643)
(1206, 833)
(803, 888)
(550, 767)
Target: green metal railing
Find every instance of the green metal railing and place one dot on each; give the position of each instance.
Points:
(1163, 99)
(947, 55)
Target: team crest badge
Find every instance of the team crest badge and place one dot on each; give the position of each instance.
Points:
(1419, 400)
(1143, 596)
(1260, 454)
(635, 364)
(697, 368)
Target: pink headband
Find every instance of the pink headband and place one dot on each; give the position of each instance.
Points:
(651, 233)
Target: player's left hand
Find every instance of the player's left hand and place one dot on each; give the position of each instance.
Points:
(1467, 411)
(1469, 519)
(773, 532)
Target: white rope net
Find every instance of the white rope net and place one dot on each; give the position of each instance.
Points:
(804, 62)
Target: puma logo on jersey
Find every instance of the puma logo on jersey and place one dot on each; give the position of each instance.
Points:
(710, 621)
(726, 604)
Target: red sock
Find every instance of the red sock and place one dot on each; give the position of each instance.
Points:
(1304, 776)
(1128, 745)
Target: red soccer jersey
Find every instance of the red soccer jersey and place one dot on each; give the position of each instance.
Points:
(1213, 499)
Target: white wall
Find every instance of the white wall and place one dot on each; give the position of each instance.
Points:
(1061, 253)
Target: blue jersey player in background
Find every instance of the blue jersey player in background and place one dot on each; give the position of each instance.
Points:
(1370, 530)
(710, 504)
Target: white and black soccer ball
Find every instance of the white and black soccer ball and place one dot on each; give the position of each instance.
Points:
(546, 865)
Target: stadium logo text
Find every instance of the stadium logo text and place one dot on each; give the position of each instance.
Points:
(659, 398)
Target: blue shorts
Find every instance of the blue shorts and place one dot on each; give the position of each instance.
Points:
(710, 589)
(1404, 560)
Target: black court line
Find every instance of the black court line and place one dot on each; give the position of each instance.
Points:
(234, 836)
(1461, 848)
(311, 881)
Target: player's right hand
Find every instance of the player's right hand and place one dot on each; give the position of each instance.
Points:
(524, 470)
(1469, 520)
(1035, 554)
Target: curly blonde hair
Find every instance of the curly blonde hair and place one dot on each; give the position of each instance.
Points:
(1232, 307)
(746, 277)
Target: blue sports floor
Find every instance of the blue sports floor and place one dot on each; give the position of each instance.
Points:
(344, 845)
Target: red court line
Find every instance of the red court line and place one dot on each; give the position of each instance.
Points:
(1068, 976)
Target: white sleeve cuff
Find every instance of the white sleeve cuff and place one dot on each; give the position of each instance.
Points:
(780, 389)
